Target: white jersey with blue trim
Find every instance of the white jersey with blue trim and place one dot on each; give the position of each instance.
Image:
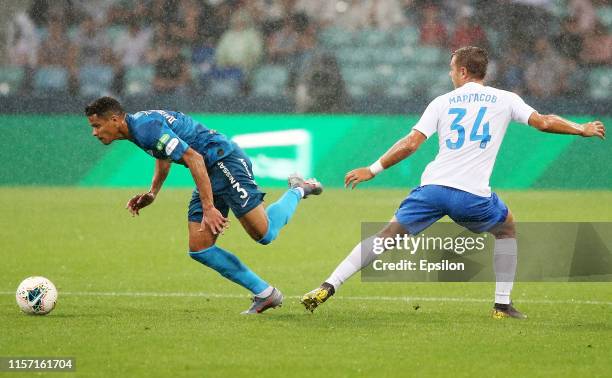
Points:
(471, 122)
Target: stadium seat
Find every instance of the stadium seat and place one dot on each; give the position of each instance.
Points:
(270, 80)
(73, 32)
(600, 83)
(354, 55)
(494, 36)
(356, 90)
(397, 90)
(226, 82)
(385, 74)
(367, 80)
(224, 88)
(203, 55)
(435, 80)
(578, 79)
(51, 79)
(42, 32)
(407, 76)
(408, 36)
(11, 79)
(114, 32)
(438, 89)
(391, 55)
(95, 80)
(138, 80)
(413, 78)
(604, 13)
(335, 37)
(362, 76)
(196, 77)
(427, 55)
(559, 9)
(203, 61)
(373, 38)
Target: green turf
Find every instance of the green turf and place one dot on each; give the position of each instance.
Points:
(84, 241)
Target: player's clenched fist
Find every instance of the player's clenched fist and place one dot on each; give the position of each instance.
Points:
(139, 201)
(595, 128)
(356, 176)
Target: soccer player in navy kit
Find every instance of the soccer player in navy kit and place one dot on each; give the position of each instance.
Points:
(224, 180)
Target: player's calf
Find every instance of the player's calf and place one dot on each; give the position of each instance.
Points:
(230, 267)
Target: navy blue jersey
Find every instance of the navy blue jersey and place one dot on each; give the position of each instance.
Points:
(167, 135)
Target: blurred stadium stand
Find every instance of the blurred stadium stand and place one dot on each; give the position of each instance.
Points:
(384, 68)
(51, 80)
(11, 80)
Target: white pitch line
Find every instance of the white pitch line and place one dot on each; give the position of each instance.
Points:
(366, 298)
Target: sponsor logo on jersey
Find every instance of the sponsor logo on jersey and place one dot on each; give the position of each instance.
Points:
(171, 146)
(162, 141)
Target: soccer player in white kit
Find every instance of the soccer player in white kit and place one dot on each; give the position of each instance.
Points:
(471, 122)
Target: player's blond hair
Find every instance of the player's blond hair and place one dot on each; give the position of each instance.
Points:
(474, 59)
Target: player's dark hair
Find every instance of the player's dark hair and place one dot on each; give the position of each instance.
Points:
(103, 107)
(474, 59)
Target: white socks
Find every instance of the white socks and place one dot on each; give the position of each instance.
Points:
(353, 262)
(267, 291)
(504, 262)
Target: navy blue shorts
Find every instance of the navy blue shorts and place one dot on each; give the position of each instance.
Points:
(233, 187)
(426, 204)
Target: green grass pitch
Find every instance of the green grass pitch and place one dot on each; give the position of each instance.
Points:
(161, 314)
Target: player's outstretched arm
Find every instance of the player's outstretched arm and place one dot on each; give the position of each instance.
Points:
(162, 167)
(398, 152)
(551, 123)
(212, 217)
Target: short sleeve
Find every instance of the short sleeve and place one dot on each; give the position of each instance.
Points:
(519, 109)
(172, 145)
(159, 137)
(428, 123)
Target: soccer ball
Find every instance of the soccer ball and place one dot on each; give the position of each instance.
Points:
(36, 295)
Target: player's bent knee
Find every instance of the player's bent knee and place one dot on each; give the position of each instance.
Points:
(198, 245)
(257, 234)
(199, 240)
(505, 234)
(267, 238)
(504, 231)
(392, 229)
